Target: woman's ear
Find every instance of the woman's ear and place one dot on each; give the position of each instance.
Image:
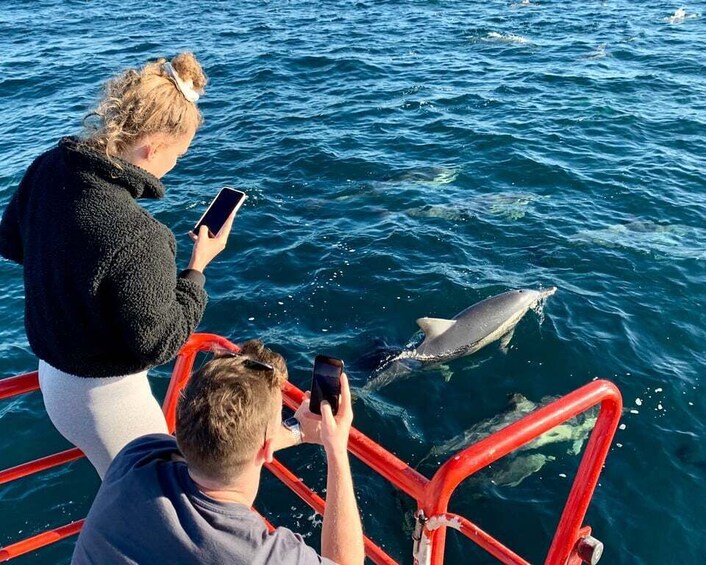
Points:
(150, 148)
(142, 151)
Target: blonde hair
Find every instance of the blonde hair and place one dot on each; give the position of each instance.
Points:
(226, 408)
(143, 102)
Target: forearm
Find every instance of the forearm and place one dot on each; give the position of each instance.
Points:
(342, 532)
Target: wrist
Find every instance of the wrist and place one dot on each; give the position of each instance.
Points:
(196, 266)
(292, 424)
(336, 456)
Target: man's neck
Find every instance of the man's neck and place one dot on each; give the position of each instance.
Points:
(243, 490)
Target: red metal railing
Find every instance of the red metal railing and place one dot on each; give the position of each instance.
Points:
(432, 496)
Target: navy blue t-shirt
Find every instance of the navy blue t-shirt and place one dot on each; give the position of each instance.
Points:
(148, 510)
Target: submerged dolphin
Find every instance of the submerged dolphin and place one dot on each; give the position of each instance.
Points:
(526, 460)
(572, 433)
(483, 323)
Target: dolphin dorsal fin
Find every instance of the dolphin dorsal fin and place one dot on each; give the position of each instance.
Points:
(433, 327)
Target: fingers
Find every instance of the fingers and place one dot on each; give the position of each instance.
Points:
(304, 406)
(203, 232)
(229, 221)
(345, 403)
(226, 227)
(192, 236)
(328, 421)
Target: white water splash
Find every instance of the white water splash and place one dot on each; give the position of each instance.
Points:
(679, 16)
(599, 53)
(496, 37)
(538, 308)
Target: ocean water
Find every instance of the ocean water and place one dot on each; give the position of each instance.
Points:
(407, 159)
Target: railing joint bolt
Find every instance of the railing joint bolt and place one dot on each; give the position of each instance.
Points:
(589, 550)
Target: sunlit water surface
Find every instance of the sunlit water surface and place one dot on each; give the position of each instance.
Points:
(408, 159)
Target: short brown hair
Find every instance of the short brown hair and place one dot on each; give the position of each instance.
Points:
(225, 409)
(143, 102)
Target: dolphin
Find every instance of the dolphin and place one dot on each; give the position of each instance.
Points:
(431, 176)
(489, 320)
(568, 437)
(512, 473)
(648, 237)
(572, 433)
(508, 205)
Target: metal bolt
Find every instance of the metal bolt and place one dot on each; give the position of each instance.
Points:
(589, 549)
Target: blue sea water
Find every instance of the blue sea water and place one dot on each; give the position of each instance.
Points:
(407, 159)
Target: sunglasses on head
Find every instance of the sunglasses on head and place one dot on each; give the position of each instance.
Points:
(248, 362)
(256, 365)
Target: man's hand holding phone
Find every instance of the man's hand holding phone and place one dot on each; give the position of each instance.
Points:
(341, 532)
(309, 423)
(336, 429)
(328, 406)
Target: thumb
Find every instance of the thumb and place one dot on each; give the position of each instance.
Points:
(229, 223)
(328, 421)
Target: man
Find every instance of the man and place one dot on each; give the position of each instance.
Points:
(188, 499)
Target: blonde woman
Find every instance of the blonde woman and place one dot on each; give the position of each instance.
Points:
(104, 301)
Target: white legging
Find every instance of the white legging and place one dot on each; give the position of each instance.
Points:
(100, 416)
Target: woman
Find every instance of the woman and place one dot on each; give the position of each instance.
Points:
(104, 302)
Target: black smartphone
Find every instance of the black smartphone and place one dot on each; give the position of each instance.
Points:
(326, 383)
(226, 201)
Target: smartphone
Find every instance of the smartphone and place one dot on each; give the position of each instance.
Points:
(226, 201)
(325, 383)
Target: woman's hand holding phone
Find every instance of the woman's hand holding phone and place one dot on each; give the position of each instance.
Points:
(206, 247)
(211, 232)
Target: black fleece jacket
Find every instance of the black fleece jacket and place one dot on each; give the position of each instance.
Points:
(102, 295)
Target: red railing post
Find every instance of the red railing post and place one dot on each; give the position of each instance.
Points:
(567, 533)
(432, 496)
(483, 453)
(183, 367)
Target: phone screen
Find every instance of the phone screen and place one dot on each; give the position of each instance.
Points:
(326, 383)
(227, 200)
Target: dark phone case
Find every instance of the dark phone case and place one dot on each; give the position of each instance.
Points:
(218, 211)
(325, 387)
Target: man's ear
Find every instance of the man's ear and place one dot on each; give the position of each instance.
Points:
(268, 450)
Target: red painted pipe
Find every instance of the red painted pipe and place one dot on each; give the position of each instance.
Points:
(502, 442)
(40, 540)
(567, 532)
(12, 386)
(475, 534)
(32, 467)
(183, 367)
(431, 496)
